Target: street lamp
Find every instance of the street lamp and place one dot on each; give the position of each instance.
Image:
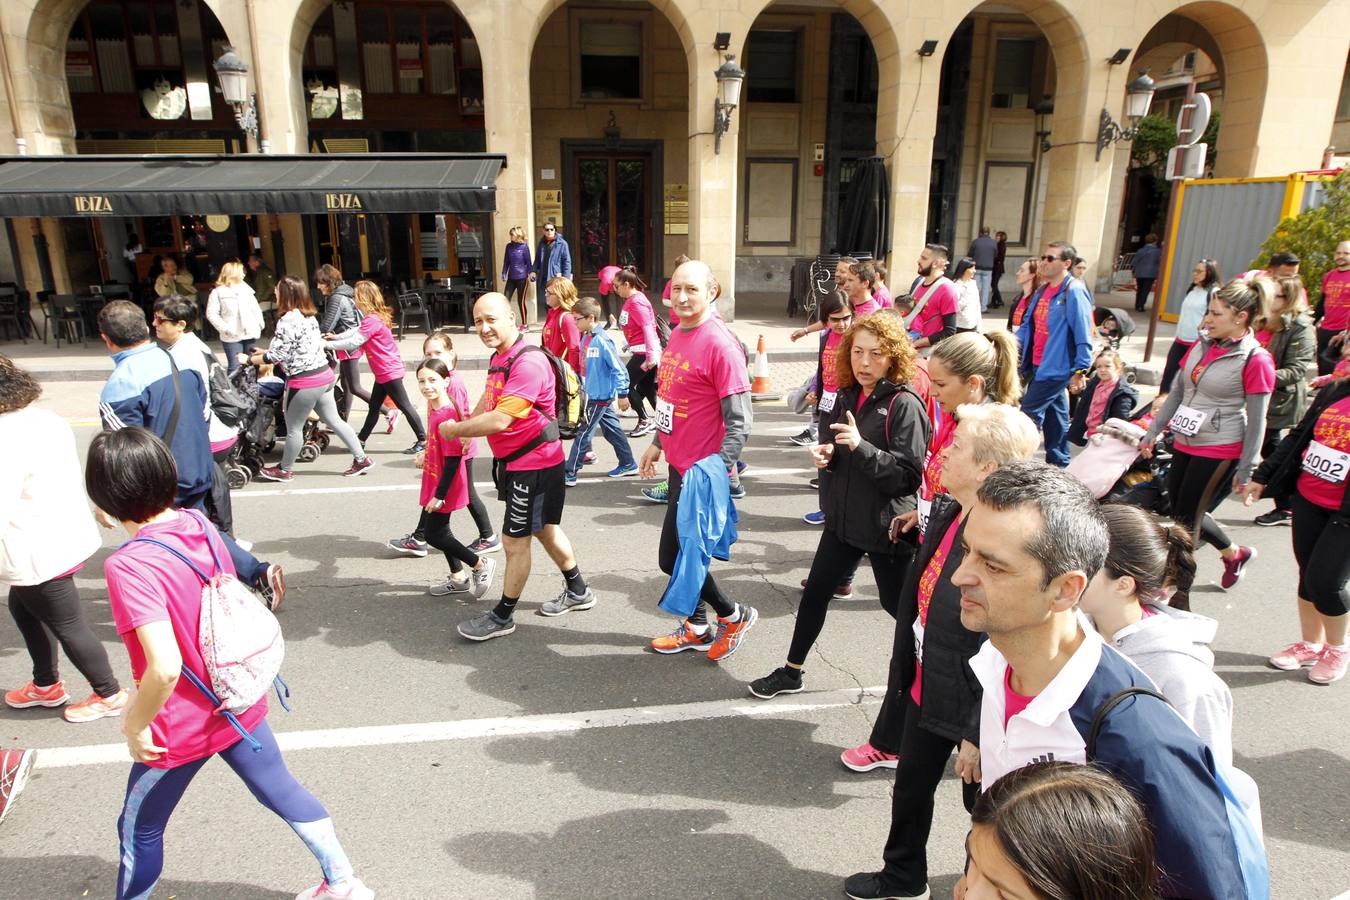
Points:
(1138, 98)
(233, 77)
(729, 78)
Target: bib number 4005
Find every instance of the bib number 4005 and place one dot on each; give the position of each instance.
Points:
(1186, 421)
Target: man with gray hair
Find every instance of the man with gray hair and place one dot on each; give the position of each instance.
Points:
(1052, 689)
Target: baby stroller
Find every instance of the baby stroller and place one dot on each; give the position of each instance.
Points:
(1113, 470)
(258, 429)
(1113, 325)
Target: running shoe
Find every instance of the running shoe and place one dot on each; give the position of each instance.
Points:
(451, 585)
(408, 545)
(272, 587)
(390, 418)
(486, 627)
(31, 695)
(814, 484)
(275, 473)
(731, 634)
(588, 458)
(623, 471)
(1330, 667)
(1274, 517)
(489, 544)
(805, 439)
(658, 494)
(865, 758)
(737, 490)
(96, 707)
(841, 591)
(351, 889)
(814, 518)
(684, 637)
(783, 680)
(741, 466)
(568, 602)
(1295, 656)
(415, 448)
(643, 427)
(482, 577)
(569, 480)
(360, 466)
(14, 768)
(1234, 569)
(873, 886)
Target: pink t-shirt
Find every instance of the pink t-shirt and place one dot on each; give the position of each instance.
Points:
(931, 485)
(381, 351)
(866, 308)
(829, 364)
(882, 295)
(638, 321)
(1013, 702)
(699, 367)
(928, 582)
(1333, 430)
(531, 381)
(943, 303)
(1335, 300)
(433, 463)
(459, 392)
(1040, 320)
(148, 584)
(561, 337)
(1258, 377)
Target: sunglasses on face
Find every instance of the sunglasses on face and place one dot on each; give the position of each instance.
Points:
(1054, 259)
(840, 318)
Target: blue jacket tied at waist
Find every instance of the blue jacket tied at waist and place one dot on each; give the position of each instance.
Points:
(706, 524)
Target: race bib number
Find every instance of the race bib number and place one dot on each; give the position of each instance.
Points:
(592, 352)
(665, 416)
(1186, 421)
(623, 318)
(1320, 461)
(826, 402)
(918, 640)
(925, 510)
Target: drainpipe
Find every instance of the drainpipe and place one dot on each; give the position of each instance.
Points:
(264, 145)
(20, 144)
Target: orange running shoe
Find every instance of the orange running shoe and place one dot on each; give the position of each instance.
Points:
(31, 695)
(96, 707)
(684, 637)
(730, 634)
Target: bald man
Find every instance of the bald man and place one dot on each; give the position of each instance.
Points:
(517, 416)
(702, 421)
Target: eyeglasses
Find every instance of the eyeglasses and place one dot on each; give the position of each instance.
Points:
(1053, 259)
(548, 228)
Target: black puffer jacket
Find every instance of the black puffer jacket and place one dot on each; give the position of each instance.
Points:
(951, 693)
(1281, 469)
(339, 311)
(863, 489)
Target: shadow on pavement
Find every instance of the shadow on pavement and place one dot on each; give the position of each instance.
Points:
(91, 877)
(650, 852)
(1301, 810)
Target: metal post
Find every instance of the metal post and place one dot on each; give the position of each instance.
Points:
(1168, 224)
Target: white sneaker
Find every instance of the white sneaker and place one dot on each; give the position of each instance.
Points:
(352, 889)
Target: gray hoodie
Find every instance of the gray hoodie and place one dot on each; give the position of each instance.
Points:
(1172, 647)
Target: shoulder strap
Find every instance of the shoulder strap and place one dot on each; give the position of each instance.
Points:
(1112, 702)
(177, 401)
(215, 557)
(923, 301)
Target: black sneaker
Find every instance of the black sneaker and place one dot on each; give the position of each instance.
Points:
(416, 448)
(872, 886)
(784, 680)
(1274, 517)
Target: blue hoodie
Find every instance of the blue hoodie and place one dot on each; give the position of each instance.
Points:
(606, 376)
(1068, 344)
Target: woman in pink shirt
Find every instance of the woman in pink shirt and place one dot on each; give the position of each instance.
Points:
(638, 321)
(381, 351)
(560, 335)
(172, 729)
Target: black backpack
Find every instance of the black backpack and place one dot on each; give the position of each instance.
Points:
(229, 404)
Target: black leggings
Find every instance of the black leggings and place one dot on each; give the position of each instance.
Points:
(349, 379)
(641, 385)
(834, 562)
(517, 286)
(1175, 354)
(923, 762)
(669, 551)
(477, 510)
(1325, 366)
(393, 390)
(1267, 448)
(1322, 550)
(437, 527)
(1191, 480)
(53, 608)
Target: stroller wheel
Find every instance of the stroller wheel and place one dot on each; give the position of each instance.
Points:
(324, 440)
(238, 477)
(308, 453)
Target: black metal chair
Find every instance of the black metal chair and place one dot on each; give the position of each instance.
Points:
(12, 314)
(411, 303)
(66, 311)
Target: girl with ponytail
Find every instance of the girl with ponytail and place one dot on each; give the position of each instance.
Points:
(1139, 601)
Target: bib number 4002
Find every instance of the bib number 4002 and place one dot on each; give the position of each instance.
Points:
(1321, 461)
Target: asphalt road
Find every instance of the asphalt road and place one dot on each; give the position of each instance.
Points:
(567, 762)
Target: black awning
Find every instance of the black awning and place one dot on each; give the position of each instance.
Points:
(223, 184)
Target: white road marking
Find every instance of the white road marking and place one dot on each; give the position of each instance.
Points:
(504, 726)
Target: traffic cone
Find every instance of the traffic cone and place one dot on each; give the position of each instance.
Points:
(762, 388)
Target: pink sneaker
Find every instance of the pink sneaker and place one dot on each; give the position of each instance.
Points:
(1330, 667)
(96, 707)
(1295, 656)
(31, 695)
(1235, 568)
(391, 419)
(352, 889)
(865, 758)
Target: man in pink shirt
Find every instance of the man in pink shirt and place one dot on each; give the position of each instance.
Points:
(1333, 309)
(933, 316)
(702, 410)
(516, 415)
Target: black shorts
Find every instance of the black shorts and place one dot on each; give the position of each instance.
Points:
(534, 498)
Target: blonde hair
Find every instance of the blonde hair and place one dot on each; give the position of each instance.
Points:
(990, 357)
(1294, 293)
(565, 290)
(999, 433)
(230, 274)
(370, 300)
(516, 232)
(1252, 296)
(1112, 355)
(442, 336)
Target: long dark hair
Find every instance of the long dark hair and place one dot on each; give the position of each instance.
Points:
(1212, 278)
(1156, 556)
(629, 276)
(1074, 832)
(293, 293)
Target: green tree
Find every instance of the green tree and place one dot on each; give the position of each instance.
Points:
(1312, 235)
